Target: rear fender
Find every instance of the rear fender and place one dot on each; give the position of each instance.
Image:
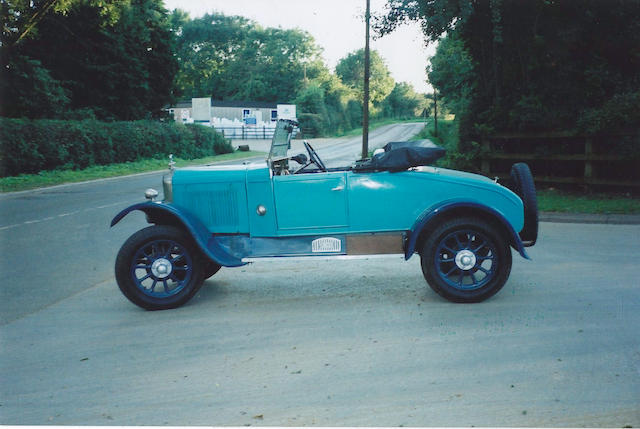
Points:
(430, 217)
(165, 214)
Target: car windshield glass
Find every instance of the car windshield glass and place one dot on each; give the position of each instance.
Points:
(281, 141)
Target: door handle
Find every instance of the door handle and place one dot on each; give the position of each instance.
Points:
(338, 188)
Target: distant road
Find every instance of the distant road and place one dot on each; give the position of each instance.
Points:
(344, 151)
(338, 152)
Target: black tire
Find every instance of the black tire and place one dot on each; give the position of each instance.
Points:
(210, 269)
(159, 267)
(522, 184)
(466, 260)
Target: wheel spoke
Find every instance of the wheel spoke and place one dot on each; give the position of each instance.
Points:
(177, 258)
(470, 238)
(168, 251)
(484, 243)
(448, 273)
(473, 278)
(169, 284)
(144, 278)
(445, 247)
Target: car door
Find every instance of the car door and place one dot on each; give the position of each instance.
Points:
(311, 202)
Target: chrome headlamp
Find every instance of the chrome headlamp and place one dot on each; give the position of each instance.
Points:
(167, 187)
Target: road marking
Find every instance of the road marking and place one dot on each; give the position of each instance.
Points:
(61, 215)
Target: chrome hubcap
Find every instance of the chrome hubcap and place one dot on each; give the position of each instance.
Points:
(161, 268)
(465, 260)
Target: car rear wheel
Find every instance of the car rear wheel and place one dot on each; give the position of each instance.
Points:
(466, 260)
(159, 267)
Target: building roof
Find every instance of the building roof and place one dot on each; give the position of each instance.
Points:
(185, 104)
(244, 103)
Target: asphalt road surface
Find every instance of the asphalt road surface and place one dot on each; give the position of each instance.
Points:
(314, 342)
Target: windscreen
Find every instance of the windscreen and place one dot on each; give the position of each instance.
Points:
(280, 143)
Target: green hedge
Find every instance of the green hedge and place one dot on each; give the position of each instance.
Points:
(30, 146)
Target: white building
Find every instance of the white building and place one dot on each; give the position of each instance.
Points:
(206, 110)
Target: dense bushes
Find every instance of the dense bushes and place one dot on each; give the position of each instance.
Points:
(28, 146)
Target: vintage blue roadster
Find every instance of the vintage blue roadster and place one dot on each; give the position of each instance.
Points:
(461, 224)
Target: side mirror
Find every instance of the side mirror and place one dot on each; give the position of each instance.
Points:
(300, 159)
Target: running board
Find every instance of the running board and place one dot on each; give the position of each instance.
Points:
(399, 256)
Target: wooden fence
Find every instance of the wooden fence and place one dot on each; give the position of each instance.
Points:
(562, 158)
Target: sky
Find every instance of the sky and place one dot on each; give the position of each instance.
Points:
(336, 25)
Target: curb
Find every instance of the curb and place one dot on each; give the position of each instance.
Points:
(611, 219)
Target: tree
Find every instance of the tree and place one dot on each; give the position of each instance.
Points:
(534, 64)
(451, 71)
(117, 63)
(206, 47)
(21, 18)
(402, 102)
(230, 57)
(350, 69)
(28, 89)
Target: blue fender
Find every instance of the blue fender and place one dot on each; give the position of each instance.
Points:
(431, 214)
(161, 213)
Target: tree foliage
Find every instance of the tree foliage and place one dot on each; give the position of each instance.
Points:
(403, 102)
(127, 59)
(351, 70)
(532, 65)
(115, 61)
(231, 57)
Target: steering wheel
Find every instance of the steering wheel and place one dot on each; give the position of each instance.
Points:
(313, 156)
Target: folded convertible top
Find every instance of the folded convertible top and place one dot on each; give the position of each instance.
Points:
(399, 156)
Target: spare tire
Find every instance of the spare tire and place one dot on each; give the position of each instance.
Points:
(522, 184)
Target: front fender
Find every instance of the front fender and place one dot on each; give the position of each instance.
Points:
(433, 214)
(161, 213)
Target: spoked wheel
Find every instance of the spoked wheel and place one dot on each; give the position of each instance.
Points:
(466, 260)
(159, 268)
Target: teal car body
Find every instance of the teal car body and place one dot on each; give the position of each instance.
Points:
(240, 213)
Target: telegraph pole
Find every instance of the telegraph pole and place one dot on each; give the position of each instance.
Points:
(435, 113)
(365, 102)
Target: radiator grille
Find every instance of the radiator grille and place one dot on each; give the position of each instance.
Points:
(216, 208)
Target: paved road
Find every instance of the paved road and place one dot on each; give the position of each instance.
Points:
(309, 343)
(346, 343)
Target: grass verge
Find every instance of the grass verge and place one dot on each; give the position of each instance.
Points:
(57, 177)
(549, 200)
(596, 203)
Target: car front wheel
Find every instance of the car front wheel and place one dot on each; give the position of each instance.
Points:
(466, 260)
(159, 267)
